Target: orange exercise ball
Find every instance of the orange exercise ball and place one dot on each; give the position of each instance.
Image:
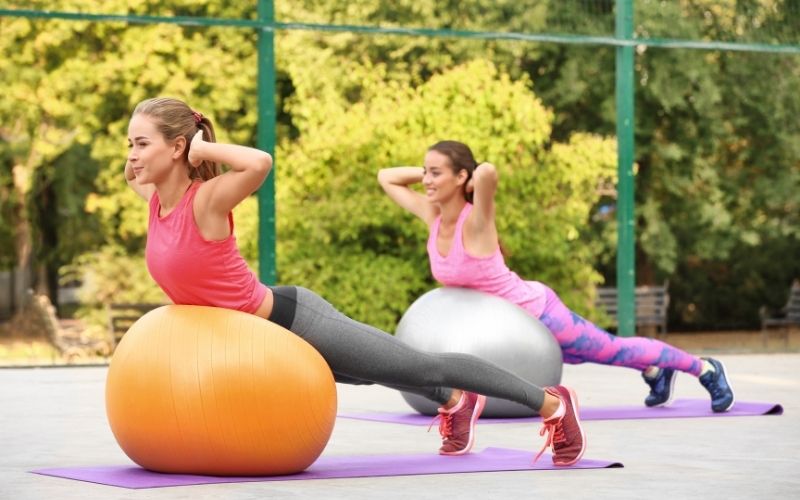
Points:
(204, 390)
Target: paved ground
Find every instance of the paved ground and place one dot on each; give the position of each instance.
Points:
(55, 417)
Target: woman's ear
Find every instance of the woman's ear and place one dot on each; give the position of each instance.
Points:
(179, 148)
(462, 177)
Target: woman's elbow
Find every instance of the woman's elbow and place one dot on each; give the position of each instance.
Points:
(385, 177)
(485, 173)
(263, 165)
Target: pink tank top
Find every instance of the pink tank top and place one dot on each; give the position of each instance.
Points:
(487, 274)
(192, 270)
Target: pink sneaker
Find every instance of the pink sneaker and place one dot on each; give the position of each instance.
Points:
(457, 424)
(564, 431)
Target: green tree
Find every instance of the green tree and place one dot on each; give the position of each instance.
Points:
(339, 235)
(70, 87)
(717, 148)
(716, 153)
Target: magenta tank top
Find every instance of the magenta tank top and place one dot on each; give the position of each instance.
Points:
(487, 274)
(194, 271)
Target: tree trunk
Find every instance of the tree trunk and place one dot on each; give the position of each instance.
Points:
(22, 238)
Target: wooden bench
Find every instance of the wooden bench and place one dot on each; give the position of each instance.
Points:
(788, 316)
(651, 306)
(121, 316)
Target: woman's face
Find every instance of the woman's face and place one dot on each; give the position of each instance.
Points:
(149, 153)
(440, 182)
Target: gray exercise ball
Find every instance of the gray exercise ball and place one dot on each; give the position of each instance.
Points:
(462, 320)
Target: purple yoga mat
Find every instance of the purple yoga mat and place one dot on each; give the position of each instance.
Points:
(680, 408)
(488, 460)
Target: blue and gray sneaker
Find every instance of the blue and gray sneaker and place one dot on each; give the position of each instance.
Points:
(660, 387)
(716, 383)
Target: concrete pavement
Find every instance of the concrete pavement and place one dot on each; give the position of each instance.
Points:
(55, 417)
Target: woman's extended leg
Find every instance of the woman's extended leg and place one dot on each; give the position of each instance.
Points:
(582, 341)
(658, 361)
(441, 395)
(358, 352)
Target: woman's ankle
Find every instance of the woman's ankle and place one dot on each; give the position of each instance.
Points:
(550, 406)
(455, 397)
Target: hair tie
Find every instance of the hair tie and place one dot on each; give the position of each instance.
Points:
(198, 117)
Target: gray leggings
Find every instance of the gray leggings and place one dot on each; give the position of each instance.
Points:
(360, 354)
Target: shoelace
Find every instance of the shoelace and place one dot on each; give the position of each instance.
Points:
(555, 434)
(445, 424)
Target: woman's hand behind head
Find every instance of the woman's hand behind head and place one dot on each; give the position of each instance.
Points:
(194, 149)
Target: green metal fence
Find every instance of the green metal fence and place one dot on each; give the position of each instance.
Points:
(614, 27)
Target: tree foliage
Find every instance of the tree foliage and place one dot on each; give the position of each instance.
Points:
(70, 87)
(717, 153)
(717, 149)
(335, 225)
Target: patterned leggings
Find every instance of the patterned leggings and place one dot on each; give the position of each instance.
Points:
(582, 341)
